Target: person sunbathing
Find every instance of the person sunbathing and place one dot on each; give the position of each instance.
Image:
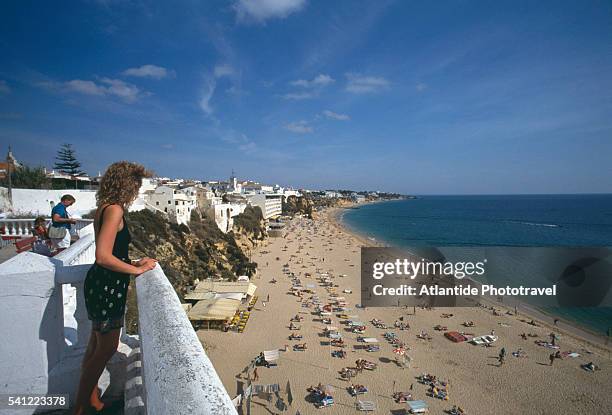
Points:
(591, 366)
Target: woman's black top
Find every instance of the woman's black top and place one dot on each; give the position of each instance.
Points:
(106, 290)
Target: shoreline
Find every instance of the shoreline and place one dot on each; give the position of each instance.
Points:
(542, 317)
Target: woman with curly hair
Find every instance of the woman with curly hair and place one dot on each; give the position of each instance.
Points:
(108, 278)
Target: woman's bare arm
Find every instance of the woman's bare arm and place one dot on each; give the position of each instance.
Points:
(111, 220)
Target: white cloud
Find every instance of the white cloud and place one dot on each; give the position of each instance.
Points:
(104, 87)
(299, 95)
(420, 87)
(318, 81)
(210, 86)
(335, 116)
(84, 87)
(359, 84)
(247, 147)
(149, 71)
(223, 70)
(121, 89)
(239, 140)
(262, 10)
(168, 146)
(209, 90)
(300, 127)
(313, 87)
(4, 88)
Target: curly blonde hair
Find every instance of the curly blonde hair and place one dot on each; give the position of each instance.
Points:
(120, 183)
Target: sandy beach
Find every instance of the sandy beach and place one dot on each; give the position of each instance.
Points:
(476, 382)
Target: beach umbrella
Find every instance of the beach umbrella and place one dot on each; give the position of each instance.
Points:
(399, 351)
(289, 394)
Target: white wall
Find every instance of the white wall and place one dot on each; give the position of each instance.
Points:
(40, 202)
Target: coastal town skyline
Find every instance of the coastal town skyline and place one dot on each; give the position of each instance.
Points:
(386, 96)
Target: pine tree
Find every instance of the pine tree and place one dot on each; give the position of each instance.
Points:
(67, 162)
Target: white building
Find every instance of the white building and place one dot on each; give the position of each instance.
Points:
(205, 198)
(357, 198)
(291, 192)
(148, 186)
(331, 194)
(177, 203)
(271, 204)
(223, 214)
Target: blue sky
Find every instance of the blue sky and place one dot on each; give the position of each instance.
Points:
(454, 97)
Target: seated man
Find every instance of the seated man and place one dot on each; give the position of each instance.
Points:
(43, 245)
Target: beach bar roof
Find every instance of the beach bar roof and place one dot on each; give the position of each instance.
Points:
(200, 296)
(219, 309)
(204, 288)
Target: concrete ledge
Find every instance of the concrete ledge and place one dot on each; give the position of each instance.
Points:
(178, 376)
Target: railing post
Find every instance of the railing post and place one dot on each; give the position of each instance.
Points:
(82, 252)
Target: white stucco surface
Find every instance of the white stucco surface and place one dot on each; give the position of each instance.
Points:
(40, 202)
(178, 376)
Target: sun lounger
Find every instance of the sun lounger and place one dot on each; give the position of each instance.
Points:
(417, 407)
(325, 402)
(366, 406)
(483, 340)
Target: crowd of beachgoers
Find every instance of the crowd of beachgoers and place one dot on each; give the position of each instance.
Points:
(326, 351)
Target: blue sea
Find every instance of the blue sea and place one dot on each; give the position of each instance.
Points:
(517, 220)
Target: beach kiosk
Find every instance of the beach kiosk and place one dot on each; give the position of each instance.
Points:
(213, 313)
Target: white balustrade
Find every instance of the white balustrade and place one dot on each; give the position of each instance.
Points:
(24, 227)
(178, 377)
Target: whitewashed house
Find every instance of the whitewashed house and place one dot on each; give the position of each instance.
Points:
(148, 186)
(177, 203)
(223, 214)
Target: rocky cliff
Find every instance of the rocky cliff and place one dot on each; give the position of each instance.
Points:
(249, 228)
(197, 251)
(297, 205)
